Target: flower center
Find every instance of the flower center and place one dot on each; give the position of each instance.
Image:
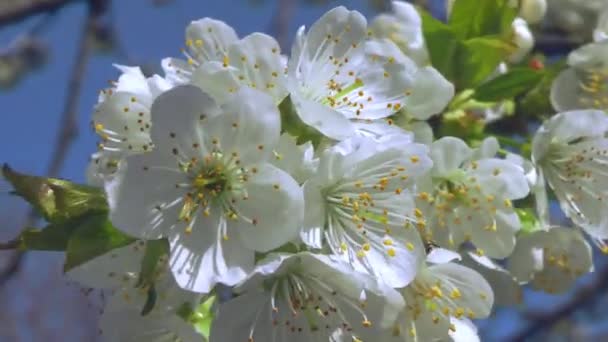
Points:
(593, 88)
(214, 184)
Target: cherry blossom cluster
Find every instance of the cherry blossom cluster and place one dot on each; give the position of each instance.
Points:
(306, 192)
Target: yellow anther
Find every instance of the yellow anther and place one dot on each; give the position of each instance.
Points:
(391, 252)
(410, 246)
(455, 294)
(418, 213)
(414, 159)
(366, 247)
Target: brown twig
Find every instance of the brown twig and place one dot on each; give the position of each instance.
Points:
(583, 295)
(14, 11)
(68, 121)
(282, 18)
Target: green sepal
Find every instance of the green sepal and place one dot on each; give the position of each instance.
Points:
(293, 125)
(528, 219)
(200, 317)
(150, 301)
(151, 266)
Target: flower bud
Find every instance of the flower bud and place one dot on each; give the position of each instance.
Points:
(533, 11)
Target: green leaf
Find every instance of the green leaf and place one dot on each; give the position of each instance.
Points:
(94, 236)
(479, 58)
(442, 44)
(537, 101)
(465, 63)
(150, 265)
(476, 18)
(55, 199)
(507, 86)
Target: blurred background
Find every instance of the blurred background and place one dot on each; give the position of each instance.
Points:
(55, 55)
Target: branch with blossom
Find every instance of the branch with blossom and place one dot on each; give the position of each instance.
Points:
(353, 190)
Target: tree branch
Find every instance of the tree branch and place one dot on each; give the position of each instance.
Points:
(68, 124)
(13, 11)
(580, 298)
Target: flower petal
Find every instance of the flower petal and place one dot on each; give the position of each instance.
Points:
(203, 258)
(276, 203)
(448, 154)
(249, 128)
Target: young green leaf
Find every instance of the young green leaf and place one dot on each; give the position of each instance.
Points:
(507, 86)
(477, 18)
(94, 236)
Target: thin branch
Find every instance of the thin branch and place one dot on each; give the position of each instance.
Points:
(15, 11)
(282, 18)
(579, 299)
(69, 123)
(69, 119)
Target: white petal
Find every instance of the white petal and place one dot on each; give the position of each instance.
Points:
(442, 256)
(448, 154)
(296, 160)
(506, 290)
(179, 115)
(566, 92)
(429, 95)
(107, 270)
(203, 258)
(250, 127)
(144, 200)
(324, 119)
(501, 178)
(209, 39)
(464, 331)
(276, 203)
(476, 293)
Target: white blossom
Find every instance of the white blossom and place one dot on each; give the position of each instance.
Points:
(306, 297)
(207, 186)
(552, 260)
(468, 197)
(118, 272)
(360, 205)
(220, 63)
(571, 151)
(583, 84)
(403, 26)
(441, 300)
(122, 118)
(335, 75)
(506, 289)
